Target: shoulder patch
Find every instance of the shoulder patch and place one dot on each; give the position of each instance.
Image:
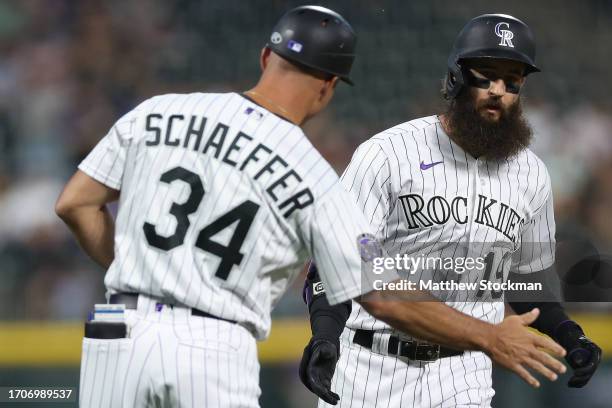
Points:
(369, 247)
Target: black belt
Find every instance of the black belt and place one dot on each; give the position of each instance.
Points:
(130, 300)
(411, 349)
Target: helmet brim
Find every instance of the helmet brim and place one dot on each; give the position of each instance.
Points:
(501, 55)
(306, 66)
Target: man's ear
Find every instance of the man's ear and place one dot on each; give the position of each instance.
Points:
(334, 81)
(328, 85)
(264, 56)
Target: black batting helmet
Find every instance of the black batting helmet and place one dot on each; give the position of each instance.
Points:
(315, 37)
(497, 36)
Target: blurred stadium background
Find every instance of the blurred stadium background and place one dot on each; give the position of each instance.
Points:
(69, 69)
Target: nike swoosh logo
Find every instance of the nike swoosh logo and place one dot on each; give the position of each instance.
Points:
(430, 165)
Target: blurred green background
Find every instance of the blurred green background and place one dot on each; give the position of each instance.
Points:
(69, 69)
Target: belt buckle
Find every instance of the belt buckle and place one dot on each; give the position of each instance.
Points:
(406, 348)
(427, 352)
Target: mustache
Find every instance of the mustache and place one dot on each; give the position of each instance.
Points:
(491, 104)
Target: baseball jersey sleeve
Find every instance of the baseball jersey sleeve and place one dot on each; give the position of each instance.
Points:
(333, 232)
(537, 250)
(106, 162)
(367, 179)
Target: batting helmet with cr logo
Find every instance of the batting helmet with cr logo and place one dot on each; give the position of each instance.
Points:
(497, 36)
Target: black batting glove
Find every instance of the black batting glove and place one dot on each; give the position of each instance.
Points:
(583, 355)
(317, 368)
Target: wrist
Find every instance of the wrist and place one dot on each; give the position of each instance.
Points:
(567, 333)
(315, 341)
(566, 326)
(482, 336)
(326, 325)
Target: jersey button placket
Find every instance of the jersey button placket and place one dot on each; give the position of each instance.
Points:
(474, 176)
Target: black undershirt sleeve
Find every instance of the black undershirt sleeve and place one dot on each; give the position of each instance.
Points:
(552, 313)
(326, 321)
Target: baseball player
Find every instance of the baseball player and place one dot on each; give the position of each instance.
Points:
(221, 199)
(433, 185)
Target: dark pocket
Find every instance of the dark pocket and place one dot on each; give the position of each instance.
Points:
(105, 330)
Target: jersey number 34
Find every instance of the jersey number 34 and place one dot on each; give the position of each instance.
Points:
(230, 255)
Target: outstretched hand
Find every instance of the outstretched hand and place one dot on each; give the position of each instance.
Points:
(516, 348)
(317, 369)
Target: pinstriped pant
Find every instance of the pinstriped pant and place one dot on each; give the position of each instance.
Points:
(365, 379)
(171, 359)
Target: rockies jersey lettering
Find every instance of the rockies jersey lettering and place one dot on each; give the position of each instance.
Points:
(221, 204)
(438, 210)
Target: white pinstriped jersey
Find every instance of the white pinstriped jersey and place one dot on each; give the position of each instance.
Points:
(424, 195)
(221, 203)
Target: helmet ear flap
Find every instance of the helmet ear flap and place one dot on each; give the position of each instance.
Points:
(454, 81)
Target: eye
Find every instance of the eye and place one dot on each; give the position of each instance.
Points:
(477, 80)
(483, 83)
(513, 85)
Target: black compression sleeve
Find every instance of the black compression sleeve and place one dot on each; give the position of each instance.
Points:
(326, 321)
(552, 313)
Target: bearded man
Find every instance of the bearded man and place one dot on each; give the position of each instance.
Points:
(458, 185)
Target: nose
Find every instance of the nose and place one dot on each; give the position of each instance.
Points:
(497, 88)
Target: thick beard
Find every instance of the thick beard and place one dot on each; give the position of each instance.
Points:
(492, 140)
